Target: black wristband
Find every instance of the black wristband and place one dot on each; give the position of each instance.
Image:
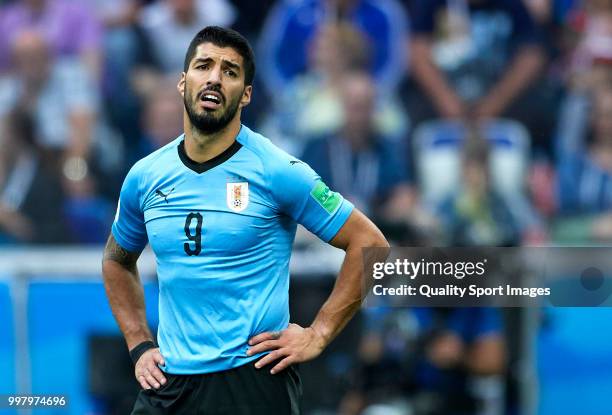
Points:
(140, 349)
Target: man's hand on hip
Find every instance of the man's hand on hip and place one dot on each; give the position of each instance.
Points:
(146, 370)
(293, 345)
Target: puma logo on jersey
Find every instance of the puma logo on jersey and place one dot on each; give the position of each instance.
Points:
(161, 194)
(292, 162)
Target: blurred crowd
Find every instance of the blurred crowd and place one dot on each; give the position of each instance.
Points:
(450, 122)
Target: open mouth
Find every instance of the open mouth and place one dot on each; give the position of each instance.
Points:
(211, 100)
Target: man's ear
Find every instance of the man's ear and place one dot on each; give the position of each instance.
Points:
(181, 85)
(246, 96)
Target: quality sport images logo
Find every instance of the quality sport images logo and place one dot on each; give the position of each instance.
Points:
(490, 276)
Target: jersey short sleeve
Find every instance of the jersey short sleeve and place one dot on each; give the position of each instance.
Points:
(302, 195)
(129, 227)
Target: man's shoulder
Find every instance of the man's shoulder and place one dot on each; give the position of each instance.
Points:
(277, 165)
(268, 152)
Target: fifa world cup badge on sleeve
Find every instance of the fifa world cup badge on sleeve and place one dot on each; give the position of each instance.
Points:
(330, 201)
(237, 196)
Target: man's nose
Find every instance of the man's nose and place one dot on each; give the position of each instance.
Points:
(214, 77)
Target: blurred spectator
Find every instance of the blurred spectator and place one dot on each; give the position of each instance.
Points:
(541, 10)
(476, 214)
(584, 39)
(88, 215)
(585, 166)
(60, 95)
(423, 361)
(581, 134)
(251, 16)
(367, 169)
(171, 24)
(30, 192)
(292, 25)
(58, 92)
(555, 12)
(68, 27)
(125, 51)
(594, 44)
(117, 13)
(479, 59)
(310, 104)
(162, 117)
(497, 153)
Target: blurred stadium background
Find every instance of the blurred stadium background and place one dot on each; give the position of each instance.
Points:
(451, 122)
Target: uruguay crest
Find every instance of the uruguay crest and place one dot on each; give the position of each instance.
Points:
(238, 196)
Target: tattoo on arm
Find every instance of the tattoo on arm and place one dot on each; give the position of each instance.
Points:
(114, 252)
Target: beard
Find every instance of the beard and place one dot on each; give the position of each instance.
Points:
(207, 122)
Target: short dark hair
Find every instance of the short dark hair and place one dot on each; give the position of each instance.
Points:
(222, 37)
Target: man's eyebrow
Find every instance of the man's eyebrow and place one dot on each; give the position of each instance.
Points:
(201, 60)
(231, 64)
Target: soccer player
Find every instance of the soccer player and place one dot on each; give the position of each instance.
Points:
(219, 206)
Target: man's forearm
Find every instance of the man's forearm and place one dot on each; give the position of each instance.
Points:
(297, 344)
(125, 293)
(348, 293)
(432, 79)
(344, 300)
(524, 69)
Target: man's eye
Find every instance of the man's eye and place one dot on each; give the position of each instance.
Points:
(231, 73)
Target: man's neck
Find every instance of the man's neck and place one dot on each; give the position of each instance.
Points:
(203, 147)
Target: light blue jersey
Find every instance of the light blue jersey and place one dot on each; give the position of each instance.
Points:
(222, 233)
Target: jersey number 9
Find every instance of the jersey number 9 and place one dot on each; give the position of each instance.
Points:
(196, 238)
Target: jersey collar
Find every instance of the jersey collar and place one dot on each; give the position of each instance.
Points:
(209, 164)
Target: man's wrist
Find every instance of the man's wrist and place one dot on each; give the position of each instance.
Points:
(140, 349)
(322, 336)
